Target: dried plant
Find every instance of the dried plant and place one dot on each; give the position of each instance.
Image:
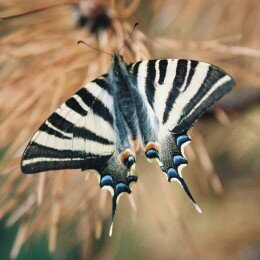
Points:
(42, 65)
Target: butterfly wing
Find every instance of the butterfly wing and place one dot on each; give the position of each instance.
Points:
(79, 134)
(179, 92)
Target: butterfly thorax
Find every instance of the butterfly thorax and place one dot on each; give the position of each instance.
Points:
(118, 74)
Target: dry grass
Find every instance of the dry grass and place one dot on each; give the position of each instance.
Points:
(41, 66)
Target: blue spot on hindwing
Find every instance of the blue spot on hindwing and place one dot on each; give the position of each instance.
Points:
(178, 160)
(107, 180)
(122, 187)
(172, 173)
(182, 139)
(129, 161)
(131, 178)
(152, 153)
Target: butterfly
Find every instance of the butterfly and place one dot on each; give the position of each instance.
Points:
(150, 104)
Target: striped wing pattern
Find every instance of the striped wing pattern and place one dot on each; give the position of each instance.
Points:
(179, 91)
(79, 134)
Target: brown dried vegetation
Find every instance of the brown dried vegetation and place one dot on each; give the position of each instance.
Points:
(41, 66)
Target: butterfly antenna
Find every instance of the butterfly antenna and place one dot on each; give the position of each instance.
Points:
(125, 42)
(96, 49)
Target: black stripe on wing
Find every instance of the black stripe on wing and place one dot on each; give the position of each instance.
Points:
(178, 81)
(102, 82)
(60, 123)
(71, 163)
(162, 70)
(134, 68)
(97, 106)
(193, 65)
(87, 134)
(45, 128)
(73, 104)
(150, 80)
(38, 150)
(55, 165)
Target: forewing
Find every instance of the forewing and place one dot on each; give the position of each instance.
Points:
(179, 91)
(78, 135)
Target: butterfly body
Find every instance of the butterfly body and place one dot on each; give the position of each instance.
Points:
(130, 105)
(125, 116)
(149, 104)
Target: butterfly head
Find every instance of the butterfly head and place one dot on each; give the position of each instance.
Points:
(118, 66)
(117, 58)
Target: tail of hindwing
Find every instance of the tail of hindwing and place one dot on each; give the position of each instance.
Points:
(172, 160)
(115, 177)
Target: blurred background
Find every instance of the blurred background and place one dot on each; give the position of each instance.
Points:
(64, 214)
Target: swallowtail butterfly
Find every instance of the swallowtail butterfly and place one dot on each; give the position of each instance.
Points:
(151, 103)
